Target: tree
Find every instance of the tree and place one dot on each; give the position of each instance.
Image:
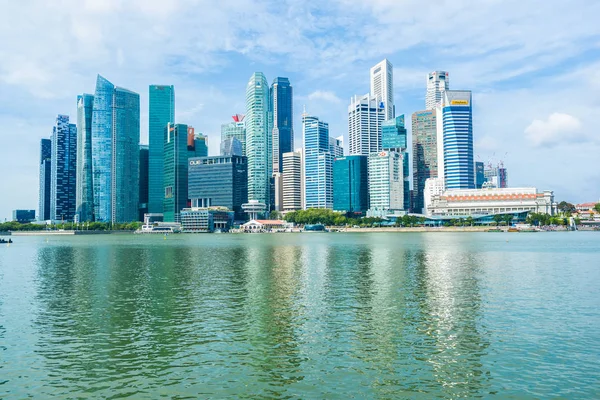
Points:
(508, 218)
(597, 207)
(274, 215)
(566, 208)
(498, 218)
(469, 220)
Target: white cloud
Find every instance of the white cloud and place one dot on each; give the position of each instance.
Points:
(558, 128)
(325, 95)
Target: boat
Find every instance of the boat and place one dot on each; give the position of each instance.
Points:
(495, 230)
(511, 229)
(3, 241)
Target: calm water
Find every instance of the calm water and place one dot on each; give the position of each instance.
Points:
(341, 316)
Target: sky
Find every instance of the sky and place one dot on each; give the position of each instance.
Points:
(533, 67)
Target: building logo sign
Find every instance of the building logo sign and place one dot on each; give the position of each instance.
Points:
(459, 102)
(195, 162)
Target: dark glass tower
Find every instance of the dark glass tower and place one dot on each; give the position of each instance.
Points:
(425, 154)
(45, 177)
(281, 109)
(350, 184)
(64, 172)
(161, 112)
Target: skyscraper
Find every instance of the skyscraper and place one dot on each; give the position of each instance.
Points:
(350, 184)
(84, 186)
(437, 83)
(144, 158)
(382, 86)
(496, 176)
(236, 129)
(479, 174)
(318, 164)
(64, 170)
(386, 183)
(161, 112)
(200, 143)
(458, 139)
(281, 107)
(231, 147)
(45, 179)
(292, 178)
(336, 146)
(393, 134)
(259, 146)
(424, 154)
(115, 150)
(365, 116)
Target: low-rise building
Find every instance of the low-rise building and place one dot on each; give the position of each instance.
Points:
(263, 225)
(206, 219)
(23, 216)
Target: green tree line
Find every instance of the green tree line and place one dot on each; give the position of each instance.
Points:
(92, 226)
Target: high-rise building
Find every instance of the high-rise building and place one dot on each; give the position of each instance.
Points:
(161, 112)
(292, 178)
(479, 174)
(64, 170)
(23, 216)
(144, 158)
(318, 164)
(496, 176)
(45, 179)
(200, 144)
(259, 146)
(336, 146)
(350, 184)
(393, 134)
(437, 83)
(235, 129)
(424, 154)
(281, 107)
(386, 182)
(457, 131)
(181, 144)
(382, 87)
(365, 116)
(84, 201)
(219, 181)
(115, 150)
(231, 147)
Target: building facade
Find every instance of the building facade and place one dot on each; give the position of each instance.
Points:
(382, 87)
(437, 83)
(457, 121)
(161, 112)
(259, 146)
(235, 129)
(219, 181)
(231, 147)
(393, 134)
(479, 174)
(351, 184)
(424, 154)
(496, 176)
(365, 116)
(143, 178)
(23, 216)
(45, 179)
(281, 105)
(292, 181)
(64, 170)
(318, 164)
(210, 219)
(336, 146)
(115, 150)
(386, 182)
(84, 199)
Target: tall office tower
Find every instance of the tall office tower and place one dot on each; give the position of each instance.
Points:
(64, 170)
(201, 144)
(318, 164)
(382, 86)
(144, 158)
(161, 112)
(115, 150)
(292, 181)
(496, 176)
(236, 129)
(231, 147)
(394, 138)
(84, 201)
(259, 146)
(437, 83)
(386, 182)
(281, 107)
(457, 131)
(219, 181)
(424, 154)
(479, 174)
(365, 116)
(45, 179)
(350, 184)
(336, 146)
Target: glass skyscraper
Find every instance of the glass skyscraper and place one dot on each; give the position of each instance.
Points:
(259, 146)
(479, 174)
(350, 184)
(115, 149)
(458, 140)
(235, 129)
(161, 112)
(45, 178)
(144, 157)
(64, 170)
(85, 189)
(281, 107)
(318, 164)
(393, 134)
(424, 153)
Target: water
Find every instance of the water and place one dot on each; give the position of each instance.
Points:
(336, 316)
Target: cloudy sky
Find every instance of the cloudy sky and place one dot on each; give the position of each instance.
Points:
(533, 67)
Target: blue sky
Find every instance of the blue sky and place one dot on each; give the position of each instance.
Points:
(533, 67)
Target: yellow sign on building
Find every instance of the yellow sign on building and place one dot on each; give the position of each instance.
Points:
(459, 102)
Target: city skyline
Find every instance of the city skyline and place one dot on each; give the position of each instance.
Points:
(550, 102)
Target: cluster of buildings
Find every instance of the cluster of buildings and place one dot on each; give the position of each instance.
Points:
(97, 170)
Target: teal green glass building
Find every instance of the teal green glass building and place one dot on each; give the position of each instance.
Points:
(161, 112)
(115, 150)
(393, 134)
(351, 184)
(85, 189)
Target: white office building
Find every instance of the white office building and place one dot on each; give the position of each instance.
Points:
(293, 181)
(336, 146)
(382, 86)
(386, 182)
(365, 116)
(437, 83)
